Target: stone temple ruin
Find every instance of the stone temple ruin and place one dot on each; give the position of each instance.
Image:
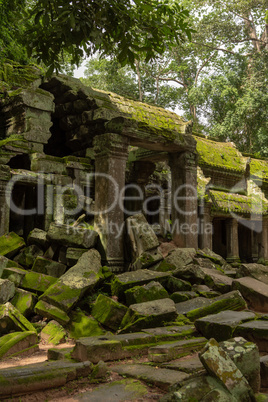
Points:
(90, 184)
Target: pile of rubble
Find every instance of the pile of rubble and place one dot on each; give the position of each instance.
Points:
(54, 288)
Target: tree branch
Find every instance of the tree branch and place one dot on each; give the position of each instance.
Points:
(214, 48)
(202, 66)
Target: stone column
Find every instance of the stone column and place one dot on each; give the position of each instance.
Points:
(232, 240)
(165, 210)
(4, 199)
(263, 252)
(110, 164)
(206, 227)
(184, 199)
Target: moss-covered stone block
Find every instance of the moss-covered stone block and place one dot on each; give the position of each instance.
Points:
(10, 244)
(53, 333)
(173, 284)
(140, 294)
(73, 254)
(183, 295)
(27, 255)
(38, 237)
(12, 320)
(147, 259)
(14, 274)
(48, 267)
(108, 312)
(18, 344)
(5, 263)
(37, 282)
(82, 325)
(7, 290)
(70, 236)
(49, 311)
(24, 301)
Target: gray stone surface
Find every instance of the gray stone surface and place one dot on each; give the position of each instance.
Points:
(264, 371)
(108, 312)
(174, 350)
(140, 294)
(38, 237)
(70, 236)
(254, 331)
(220, 365)
(255, 292)
(221, 326)
(180, 257)
(216, 280)
(7, 290)
(190, 365)
(48, 267)
(12, 320)
(17, 344)
(256, 271)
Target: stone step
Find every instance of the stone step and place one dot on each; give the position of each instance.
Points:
(160, 377)
(189, 365)
(173, 350)
(34, 377)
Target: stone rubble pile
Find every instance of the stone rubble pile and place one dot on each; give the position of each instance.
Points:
(54, 287)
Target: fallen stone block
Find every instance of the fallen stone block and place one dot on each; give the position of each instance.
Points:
(49, 311)
(205, 291)
(217, 280)
(73, 254)
(140, 236)
(149, 314)
(256, 271)
(48, 267)
(171, 332)
(245, 356)
(190, 365)
(37, 282)
(219, 365)
(38, 237)
(191, 273)
(39, 376)
(71, 236)
(174, 350)
(7, 290)
(108, 312)
(24, 301)
(162, 378)
(18, 344)
(147, 259)
(229, 301)
(10, 244)
(183, 295)
(27, 255)
(140, 294)
(12, 320)
(192, 305)
(5, 263)
(81, 325)
(53, 333)
(128, 280)
(215, 258)
(14, 274)
(221, 326)
(173, 284)
(98, 348)
(255, 331)
(254, 291)
(59, 354)
(71, 286)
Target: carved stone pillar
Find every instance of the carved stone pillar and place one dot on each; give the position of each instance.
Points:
(184, 199)
(165, 211)
(110, 165)
(263, 247)
(4, 200)
(232, 240)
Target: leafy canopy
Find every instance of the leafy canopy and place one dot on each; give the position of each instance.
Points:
(125, 28)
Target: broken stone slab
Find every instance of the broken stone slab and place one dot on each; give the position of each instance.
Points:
(173, 284)
(221, 326)
(200, 388)
(255, 331)
(14, 274)
(182, 296)
(27, 255)
(73, 254)
(140, 294)
(48, 267)
(162, 378)
(38, 237)
(12, 320)
(192, 305)
(205, 291)
(147, 259)
(191, 273)
(98, 348)
(140, 236)
(5, 263)
(37, 282)
(39, 376)
(72, 285)
(10, 244)
(229, 301)
(24, 301)
(191, 365)
(218, 281)
(82, 325)
(219, 365)
(254, 291)
(180, 257)
(18, 344)
(7, 290)
(59, 354)
(53, 333)
(171, 332)
(242, 352)
(174, 350)
(215, 258)
(128, 280)
(108, 312)
(256, 271)
(149, 314)
(49, 311)
(122, 390)
(71, 236)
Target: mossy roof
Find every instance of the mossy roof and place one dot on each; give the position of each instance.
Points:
(259, 169)
(239, 204)
(223, 155)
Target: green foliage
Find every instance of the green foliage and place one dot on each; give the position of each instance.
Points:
(124, 28)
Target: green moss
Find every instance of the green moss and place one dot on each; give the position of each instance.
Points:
(50, 311)
(53, 333)
(10, 242)
(8, 341)
(259, 169)
(37, 282)
(82, 325)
